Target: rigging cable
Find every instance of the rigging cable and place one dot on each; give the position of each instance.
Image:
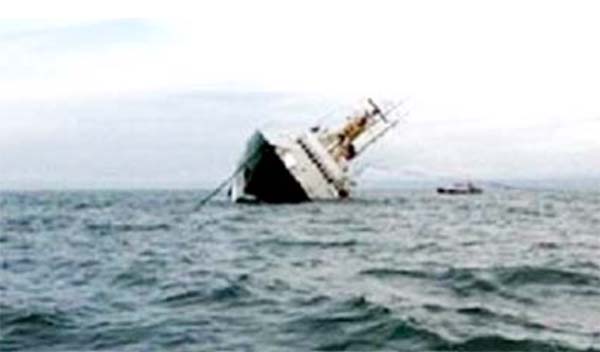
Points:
(228, 180)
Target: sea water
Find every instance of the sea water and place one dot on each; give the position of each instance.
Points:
(388, 270)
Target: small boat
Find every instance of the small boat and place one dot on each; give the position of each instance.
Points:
(313, 165)
(460, 188)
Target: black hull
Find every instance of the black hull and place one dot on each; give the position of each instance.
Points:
(265, 176)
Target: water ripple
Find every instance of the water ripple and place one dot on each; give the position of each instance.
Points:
(140, 271)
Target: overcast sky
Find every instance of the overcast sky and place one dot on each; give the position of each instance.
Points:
(132, 94)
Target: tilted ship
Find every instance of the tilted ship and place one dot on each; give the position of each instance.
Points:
(314, 165)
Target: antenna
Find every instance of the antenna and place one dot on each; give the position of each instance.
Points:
(376, 109)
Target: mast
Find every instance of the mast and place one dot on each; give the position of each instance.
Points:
(371, 124)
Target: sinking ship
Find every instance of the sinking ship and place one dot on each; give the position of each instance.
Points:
(314, 165)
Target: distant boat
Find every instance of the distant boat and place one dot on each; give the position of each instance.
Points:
(313, 165)
(460, 188)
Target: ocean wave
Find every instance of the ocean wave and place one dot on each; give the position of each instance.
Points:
(503, 343)
(36, 223)
(80, 206)
(19, 224)
(230, 292)
(464, 281)
(134, 278)
(530, 275)
(491, 279)
(389, 272)
(110, 228)
(310, 243)
(359, 324)
(28, 328)
(357, 309)
(390, 334)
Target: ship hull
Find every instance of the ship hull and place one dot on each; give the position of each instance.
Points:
(263, 176)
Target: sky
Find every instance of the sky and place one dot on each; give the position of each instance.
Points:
(155, 95)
